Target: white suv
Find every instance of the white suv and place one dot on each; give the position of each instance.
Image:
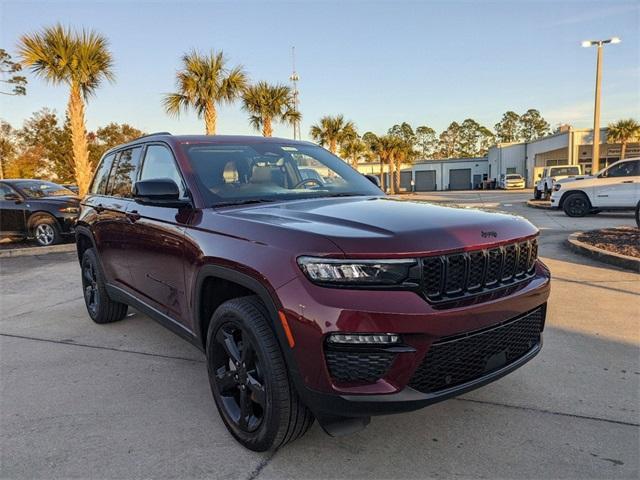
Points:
(616, 187)
(550, 175)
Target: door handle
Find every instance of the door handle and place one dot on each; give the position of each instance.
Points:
(98, 208)
(133, 215)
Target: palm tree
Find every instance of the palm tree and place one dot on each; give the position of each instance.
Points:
(203, 83)
(623, 132)
(404, 153)
(267, 103)
(353, 149)
(81, 60)
(333, 131)
(386, 148)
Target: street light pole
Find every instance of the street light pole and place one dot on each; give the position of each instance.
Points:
(595, 155)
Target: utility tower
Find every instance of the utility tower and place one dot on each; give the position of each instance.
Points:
(296, 99)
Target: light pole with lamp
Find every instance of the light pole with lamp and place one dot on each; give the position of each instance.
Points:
(595, 156)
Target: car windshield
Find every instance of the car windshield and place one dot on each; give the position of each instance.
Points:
(514, 177)
(270, 171)
(39, 189)
(560, 171)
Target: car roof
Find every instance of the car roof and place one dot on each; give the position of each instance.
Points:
(209, 139)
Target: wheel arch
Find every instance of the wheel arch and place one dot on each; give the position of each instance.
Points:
(40, 214)
(566, 194)
(241, 283)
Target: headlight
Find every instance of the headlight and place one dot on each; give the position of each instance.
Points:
(356, 272)
(70, 210)
(557, 187)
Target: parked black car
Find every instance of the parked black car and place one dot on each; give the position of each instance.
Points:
(37, 209)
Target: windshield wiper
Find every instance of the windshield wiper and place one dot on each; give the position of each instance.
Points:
(247, 201)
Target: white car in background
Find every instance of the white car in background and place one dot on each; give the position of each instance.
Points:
(511, 181)
(616, 187)
(550, 175)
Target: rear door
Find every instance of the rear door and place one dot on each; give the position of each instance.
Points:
(110, 198)
(156, 257)
(12, 213)
(618, 188)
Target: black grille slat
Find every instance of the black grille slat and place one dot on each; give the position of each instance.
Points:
(453, 276)
(510, 262)
(453, 361)
(433, 276)
(353, 366)
(476, 270)
(456, 271)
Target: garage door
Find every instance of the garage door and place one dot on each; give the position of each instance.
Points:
(405, 181)
(460, 179)
(425, 180)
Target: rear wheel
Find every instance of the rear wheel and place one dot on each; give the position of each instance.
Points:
(576, 205)
(249, 380)
(100, 307)
(536, 194)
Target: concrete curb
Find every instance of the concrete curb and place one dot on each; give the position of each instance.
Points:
(612, 258)
(538, 204)
(32, 251)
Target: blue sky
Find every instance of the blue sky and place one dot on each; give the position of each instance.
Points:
(379, 63)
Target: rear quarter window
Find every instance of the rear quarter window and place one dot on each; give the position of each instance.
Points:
(101, 178)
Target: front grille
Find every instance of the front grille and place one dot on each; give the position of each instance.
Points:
(358, 367)
(449, 277)
(459, 359)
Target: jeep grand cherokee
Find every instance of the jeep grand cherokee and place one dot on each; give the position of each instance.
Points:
(312, 295)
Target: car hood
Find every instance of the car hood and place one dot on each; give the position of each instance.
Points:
(67, 199)
(384, 226)
(574, 179)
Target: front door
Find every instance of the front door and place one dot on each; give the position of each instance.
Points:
(156, 255)
(619, 186)
(12, 213)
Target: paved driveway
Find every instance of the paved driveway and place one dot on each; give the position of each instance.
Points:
(132, 400)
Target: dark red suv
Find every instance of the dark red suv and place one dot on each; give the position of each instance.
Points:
(312, 294)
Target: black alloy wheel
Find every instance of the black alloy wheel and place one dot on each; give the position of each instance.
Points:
(90, 288)
(239, 378)
(576, 205)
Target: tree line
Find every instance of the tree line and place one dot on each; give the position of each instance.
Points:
(82, 61)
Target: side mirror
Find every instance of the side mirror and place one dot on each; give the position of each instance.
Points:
(159, 192)
(375, 180)
(12, 197)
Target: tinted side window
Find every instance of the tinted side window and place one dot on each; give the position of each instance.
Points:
(159, 163)
(125, 173)
(101, 178)
(4, 189)
(625, 169)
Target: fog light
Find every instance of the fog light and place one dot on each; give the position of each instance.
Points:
(364, 339)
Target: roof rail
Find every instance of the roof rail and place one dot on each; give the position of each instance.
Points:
(153, 134)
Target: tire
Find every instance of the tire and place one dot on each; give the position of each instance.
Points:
(638, 215)
(100, 307)
(576, 205)
(547, 193)
(45, 230)
(244, 361)
(536, 194)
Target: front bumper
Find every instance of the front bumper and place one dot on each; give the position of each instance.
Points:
(313, 312)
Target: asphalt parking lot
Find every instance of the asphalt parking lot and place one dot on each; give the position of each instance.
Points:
(131, 400)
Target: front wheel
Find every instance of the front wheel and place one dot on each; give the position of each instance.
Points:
(249, 380)
(576, 205)
(45, 231)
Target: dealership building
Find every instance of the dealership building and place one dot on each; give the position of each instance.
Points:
(568, 146)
